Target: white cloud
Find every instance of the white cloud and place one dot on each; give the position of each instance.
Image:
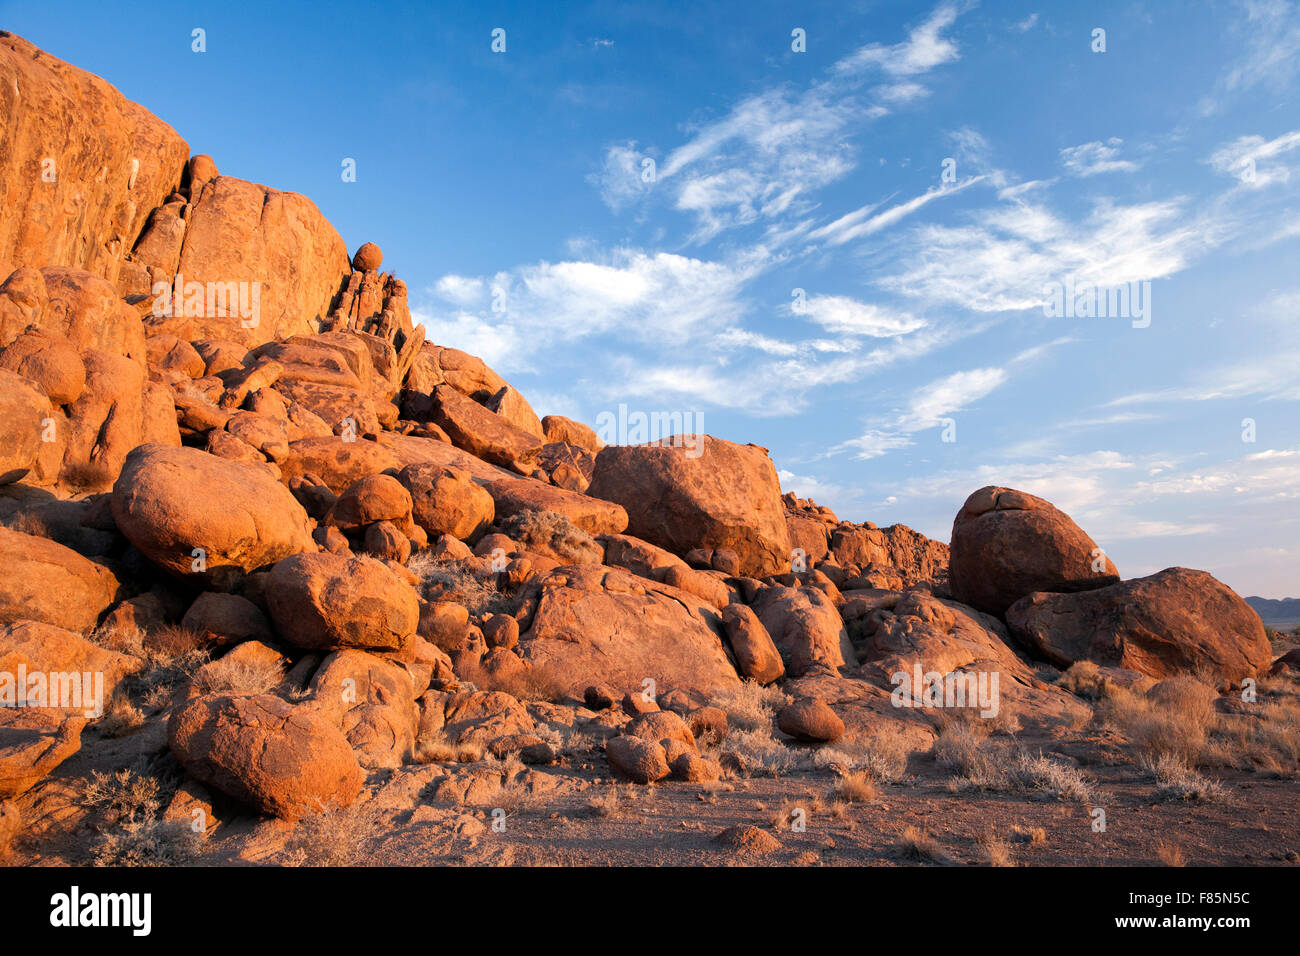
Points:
(1005, 261)
(924, 49)
(1090, 159)
(1251, 159)
(621, 179)
(926, 408)
(1270, 57)
(860, 222)
(846, 316)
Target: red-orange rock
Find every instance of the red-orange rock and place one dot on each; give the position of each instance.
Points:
(171, 501)
(45, 581)
(239, 232)
(1007, 544)
(81, 167)
(603, 625)
(1175, 621)
(279, 759)
(368, 258)
(713, 494)
(326, 601)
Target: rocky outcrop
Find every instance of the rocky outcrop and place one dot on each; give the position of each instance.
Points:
(81, 166)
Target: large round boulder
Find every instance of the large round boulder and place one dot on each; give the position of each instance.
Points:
(1175, 621)
(1006, 544)
(447, 500)
(327, 601)
(44, 581)
(697, 491)
(281, 760)
(194, 514)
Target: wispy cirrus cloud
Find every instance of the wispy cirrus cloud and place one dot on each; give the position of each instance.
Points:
(1092, 159)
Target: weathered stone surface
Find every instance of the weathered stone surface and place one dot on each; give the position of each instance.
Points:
(641, 761)
(558, 428)
(702, 493)
(757, 657)
(599, 624)
(447, 500)
(483, 433)
(806, 628)
(238, 231)
(281, 760)
(45, 581)
(114, 161)
(46, 649)
(1006, 544)
(29, 753)
(24, 410)
(327, 601)
(1174, 621)
(592, 515)
(810, 720)
(171, 501)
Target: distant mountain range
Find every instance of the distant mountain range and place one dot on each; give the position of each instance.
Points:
(1275, 609)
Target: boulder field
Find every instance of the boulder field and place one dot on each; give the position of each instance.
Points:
(222, 438)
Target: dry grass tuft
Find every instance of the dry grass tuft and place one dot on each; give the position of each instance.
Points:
(1175, 781)
(436, 748)
(231, 676)
(854, 787)
(547, 531)
(131, 833)
(1031, 835)
(459, 581)
(919, 845)
(333, 837)
(997, 851)
(1170, 854)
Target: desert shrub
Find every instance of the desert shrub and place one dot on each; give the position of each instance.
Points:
(1051, 776)
(751, 706)
(1031, 835)
(997, 851)
(854, 787)
(171, 656)
(1170, 854)
(607, 803)
(334, 837)
(916, 844)
(121, 717)
(26, 523)
(549, 532)
(1084, 679)
(760, 754)
(438, 748)
(229, 675)
(508, 791)
(1175, 781)
(460, 581)
(130, 833)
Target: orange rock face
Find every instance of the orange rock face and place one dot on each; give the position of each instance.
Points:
(81, 166)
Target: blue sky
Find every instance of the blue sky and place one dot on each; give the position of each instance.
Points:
(1171, 158)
